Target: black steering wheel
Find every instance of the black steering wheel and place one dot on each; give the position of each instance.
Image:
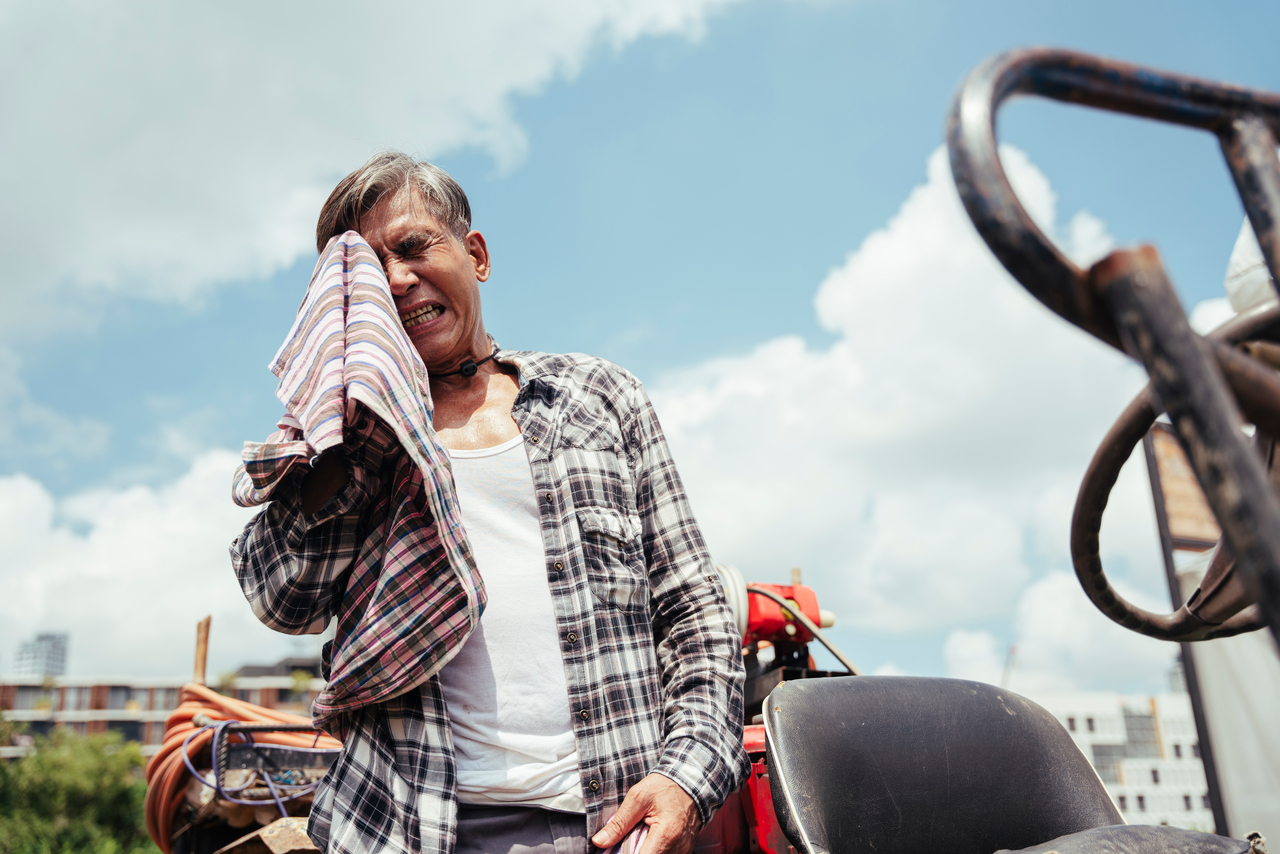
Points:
(1222, 606)
(1208, 385)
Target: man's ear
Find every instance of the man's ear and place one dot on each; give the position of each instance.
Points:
(479, 252)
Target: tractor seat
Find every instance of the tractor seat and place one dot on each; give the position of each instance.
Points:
(1143, 839)
(911, 765)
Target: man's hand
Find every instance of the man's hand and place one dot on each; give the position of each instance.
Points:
(667, 809)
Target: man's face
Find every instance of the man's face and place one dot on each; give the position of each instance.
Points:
(434, 277)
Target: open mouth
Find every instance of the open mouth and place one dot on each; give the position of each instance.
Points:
(421, 315)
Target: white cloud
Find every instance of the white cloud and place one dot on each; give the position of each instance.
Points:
(889, 668)
(919, 466)
(975, 655)
(128, 573)
(163, 148)
(1063, 643)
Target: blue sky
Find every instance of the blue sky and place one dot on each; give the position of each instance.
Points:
(669, 194)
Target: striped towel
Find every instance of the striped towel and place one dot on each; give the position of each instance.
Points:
(347, 347)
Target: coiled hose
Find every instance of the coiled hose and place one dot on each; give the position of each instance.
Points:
(167, 772)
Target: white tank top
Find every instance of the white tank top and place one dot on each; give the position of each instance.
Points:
(505, 690)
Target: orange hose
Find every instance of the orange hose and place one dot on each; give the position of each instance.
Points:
(166, 772)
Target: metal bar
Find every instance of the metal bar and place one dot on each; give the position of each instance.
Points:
(1190, 385)
(1033, 259)
(1185, 654)
(792, 609)
(1004, 224)
(268, 727)
(1249, 145)
(275, 757)
(201, 719)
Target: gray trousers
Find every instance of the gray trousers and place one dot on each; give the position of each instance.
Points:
(519, 830)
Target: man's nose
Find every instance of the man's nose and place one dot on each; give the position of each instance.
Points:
(401, 279)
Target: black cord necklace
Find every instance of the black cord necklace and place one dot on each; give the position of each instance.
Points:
(469, 367)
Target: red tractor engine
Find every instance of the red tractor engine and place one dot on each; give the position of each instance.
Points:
(777, 622)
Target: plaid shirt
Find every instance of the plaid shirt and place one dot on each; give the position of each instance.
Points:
(651, 653)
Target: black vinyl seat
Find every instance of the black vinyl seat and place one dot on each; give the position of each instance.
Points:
(911, 765)
(1144, 839)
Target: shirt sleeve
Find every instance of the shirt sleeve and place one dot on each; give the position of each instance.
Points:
(698, 647)
(290, 565)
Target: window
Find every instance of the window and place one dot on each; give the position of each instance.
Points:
(118, 697)
(130, 730)
(1177, 751)
(1071, 724)
(1195, 750)
(1124, 802)
(166, 698)
(1204, 802)
(1142, 803)
(1107, 759)
(1140, 735)
(1186, 802)
(31, 697)
(1088, 722)
(76, 699)
(1155, 776)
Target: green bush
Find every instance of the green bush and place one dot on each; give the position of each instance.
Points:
(73, 795)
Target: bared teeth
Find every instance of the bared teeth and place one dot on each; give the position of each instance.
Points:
(421, 315)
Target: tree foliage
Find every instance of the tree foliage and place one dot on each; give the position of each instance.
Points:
(73, 795)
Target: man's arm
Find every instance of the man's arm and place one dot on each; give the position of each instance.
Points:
(290, 556)
(699, 653)
(325, 479)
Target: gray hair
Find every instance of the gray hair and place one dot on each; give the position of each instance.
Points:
(384, 175)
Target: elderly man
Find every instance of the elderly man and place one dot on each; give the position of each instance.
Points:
(602, 689)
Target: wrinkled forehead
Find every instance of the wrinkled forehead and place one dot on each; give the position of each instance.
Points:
(407, 208)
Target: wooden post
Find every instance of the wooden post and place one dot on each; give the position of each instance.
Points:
(202, 649)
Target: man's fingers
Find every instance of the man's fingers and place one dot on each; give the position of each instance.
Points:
(633, 808)
(665, 807)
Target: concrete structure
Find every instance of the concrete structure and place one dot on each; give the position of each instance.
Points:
(1145, 750)
(44, 656)
(136, 708)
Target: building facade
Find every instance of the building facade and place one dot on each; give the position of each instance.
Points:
(44, 656)
(138, 708)
(1145, 750)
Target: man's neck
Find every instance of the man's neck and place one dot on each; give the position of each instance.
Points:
(475, 412)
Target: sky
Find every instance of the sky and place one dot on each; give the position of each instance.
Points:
(744, 202)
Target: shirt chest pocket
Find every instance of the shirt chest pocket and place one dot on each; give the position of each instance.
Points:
(613, 557)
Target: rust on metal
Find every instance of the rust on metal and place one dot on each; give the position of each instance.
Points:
(282, 836)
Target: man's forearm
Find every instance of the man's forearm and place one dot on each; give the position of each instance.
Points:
(698, 647)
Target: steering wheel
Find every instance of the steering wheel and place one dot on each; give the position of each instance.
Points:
(1207, 386)
(1222, 606)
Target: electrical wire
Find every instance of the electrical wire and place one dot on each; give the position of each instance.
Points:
(168, 771)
